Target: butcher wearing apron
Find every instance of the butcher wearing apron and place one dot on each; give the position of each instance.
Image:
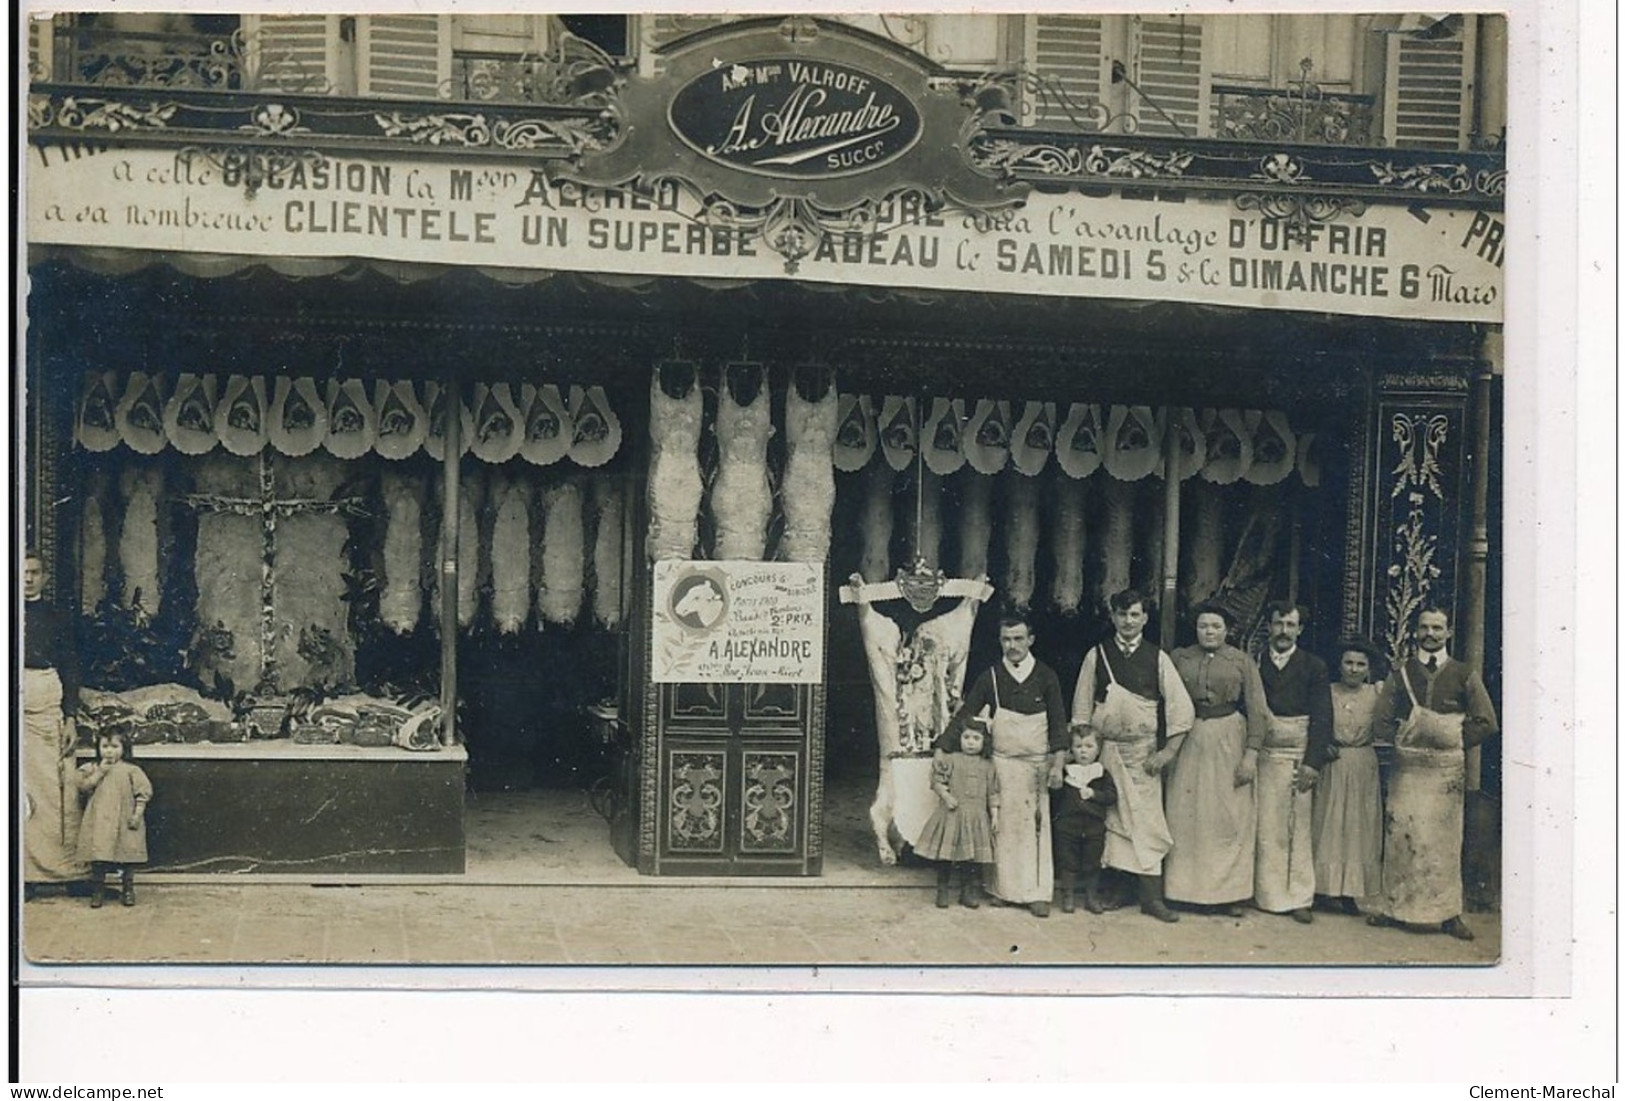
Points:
(1137, 836)
(1023, 870)
(1284, 864)
(50, 799)
(1421, 872)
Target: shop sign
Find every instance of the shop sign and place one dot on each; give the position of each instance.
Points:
(738, 622)
(1440, 264)
(794, 118)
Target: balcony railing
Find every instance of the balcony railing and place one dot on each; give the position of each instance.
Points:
(1303, 112)
(106, 57)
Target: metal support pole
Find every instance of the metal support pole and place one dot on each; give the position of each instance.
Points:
(1480, 850)
(448, 561)
(1170, 529)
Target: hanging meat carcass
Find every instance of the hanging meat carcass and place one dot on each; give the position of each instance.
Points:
(435, 403)
(809, 475)
(1274, 447)
(470, 495)
(987, 437)
(899, 436)
(510, 552)
(498, 425)
(1309, 459)
(141, 488)
(1020, 539)
(741, 498)
(189, 415)
(856, 435)
(1192, 445)
(676, 411)
(352, 419)
(927, 543)
(1077, 445)
(606, 553)
(95, 424)
(1204, 556)
(93, 542)
(941, 438)
(1132, 445)
(564, 554)
(975, 523)
(298, 416)
(1034, 438)
(245, 426)
(1116, 539)
(140, 414)
(875, 526)
(1068, 544)
(596, 430)
(403, 423)
(549, 431)
(401, 601)
(1229, 446)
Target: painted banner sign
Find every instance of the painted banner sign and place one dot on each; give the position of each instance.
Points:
(788, 117)
(738, 622)
(1391, 261)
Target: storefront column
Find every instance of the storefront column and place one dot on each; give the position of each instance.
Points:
(448, 561)
(1480, 850)
(1170, 531)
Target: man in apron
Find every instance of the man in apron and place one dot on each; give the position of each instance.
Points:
(1297, 745)
(50, 698)
(1029, 751)
(1132, 696)
(1434, 708)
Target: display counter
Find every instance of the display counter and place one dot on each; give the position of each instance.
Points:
(276, 806)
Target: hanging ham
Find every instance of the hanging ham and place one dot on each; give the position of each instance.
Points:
(298, 416)
(899, 438)
(352, 420)
(403, 423)
(140, 414)
(140, 488)
(96, 429)
(564, 554)
(809, 473)
(1132, 445)
(401, 601)
(676, 409)
(597, 430)
(1034, 438)
(1229, 446)
(856, 436)
(1077, 445)
(975, 523)
(606, 553)
(942, 436)
(1067, 544)
(548, 429)
(189, 415)
(987, 437)
(498, 423)
(510, 552)
(245, 426)
(1020, 538)
(741, 499)
(1274, 447)
(876, 523)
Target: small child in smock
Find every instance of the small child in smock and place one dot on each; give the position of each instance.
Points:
(1078, 822)
(959, 833)
(113, 833)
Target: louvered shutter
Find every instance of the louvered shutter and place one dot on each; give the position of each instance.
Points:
(295, 53)
(406, 56)
(1429, 97)
(1167, 52)
(41, 42)
(1066, 52)
(657, 29)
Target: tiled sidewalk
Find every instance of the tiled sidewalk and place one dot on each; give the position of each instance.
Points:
(254, 923)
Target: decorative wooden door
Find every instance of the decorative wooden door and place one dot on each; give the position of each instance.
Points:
(738, 777)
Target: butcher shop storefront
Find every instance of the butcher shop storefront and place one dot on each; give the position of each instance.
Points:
(541, 493)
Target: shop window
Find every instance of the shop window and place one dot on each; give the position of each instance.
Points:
(168, 50)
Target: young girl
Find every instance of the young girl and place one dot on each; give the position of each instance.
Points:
(960, 831)
(1347, 816)
(113, 834)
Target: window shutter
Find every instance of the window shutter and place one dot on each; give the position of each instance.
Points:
(41, 42)
(1429, 90)
(1066, 52)
(294, 53)
(1168, 66)
(408, 56)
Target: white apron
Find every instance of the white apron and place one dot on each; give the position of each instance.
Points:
(1137, 836)
(1421, 864)
(1284, 867)
(913, 799)
(50, 796)
(1023, 870)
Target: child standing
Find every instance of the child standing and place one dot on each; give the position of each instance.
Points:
(959, 833)
(1078, 822)
(113, 834)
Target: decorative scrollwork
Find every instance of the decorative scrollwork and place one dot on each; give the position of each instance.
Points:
(477, 131)
(169, 59)
(1301, 209)
(795, 228)
(1419, 440)
(574, 73)
(274, 120)
(1282, 168)
(1005, 156)
(1411, 577)
(81, 113)
(1448, 179)
(1301, 112)
(1493, 183)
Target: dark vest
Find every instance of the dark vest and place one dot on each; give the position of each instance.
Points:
(1138, 673)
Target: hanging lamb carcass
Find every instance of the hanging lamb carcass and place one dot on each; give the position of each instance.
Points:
(810, 422)
(564, 554)
(401, 601)
(741, 496)
(1068, 545)
(606, 553)
(975, 522)
(510, 551)
(1021, 535)
(676, 412)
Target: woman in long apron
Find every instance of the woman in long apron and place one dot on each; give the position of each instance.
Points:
(50, 697)
(1210, 804)
(1130, 694)
(1029, 749)
(1348, 795)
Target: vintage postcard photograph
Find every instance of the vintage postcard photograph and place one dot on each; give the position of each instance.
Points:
(1000, 490)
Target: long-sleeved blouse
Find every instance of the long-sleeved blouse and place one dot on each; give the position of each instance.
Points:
(1222, 680)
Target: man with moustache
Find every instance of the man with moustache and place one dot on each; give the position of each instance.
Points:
(1434, 708)
(1297, 745)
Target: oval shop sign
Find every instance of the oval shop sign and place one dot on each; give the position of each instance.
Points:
(799, 119)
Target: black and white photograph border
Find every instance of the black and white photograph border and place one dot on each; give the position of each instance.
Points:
(628, 927)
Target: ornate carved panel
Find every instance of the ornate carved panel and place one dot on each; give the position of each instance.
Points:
(694, 810)
(775, 704)
(770, 801)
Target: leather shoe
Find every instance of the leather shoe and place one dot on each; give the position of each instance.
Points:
(1379, 921)
(1457, 928)
(1039, 909)
(1303, 916)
